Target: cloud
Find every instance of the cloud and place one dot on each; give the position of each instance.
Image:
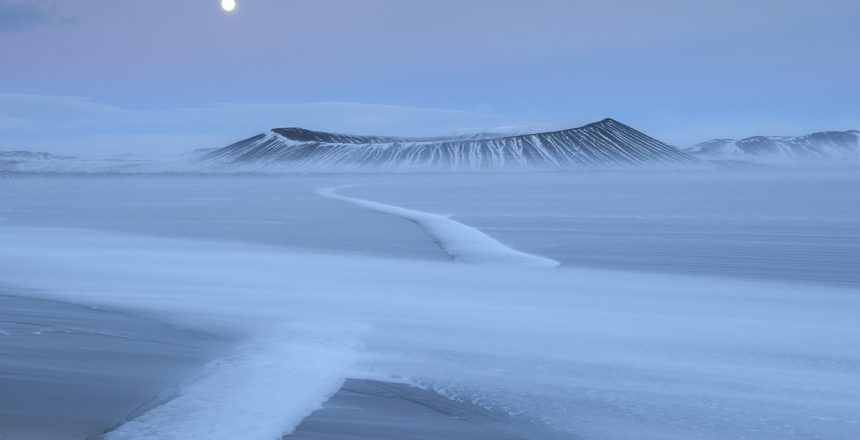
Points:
(74, 125)
(18, 16)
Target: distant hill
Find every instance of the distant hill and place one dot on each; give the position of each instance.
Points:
(830, 145)
(38, 162)
(27, 155)
(18, 160)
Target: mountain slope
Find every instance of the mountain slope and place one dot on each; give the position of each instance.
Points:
(822, 146)
(604, 144)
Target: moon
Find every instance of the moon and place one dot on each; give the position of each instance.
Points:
(228, 5)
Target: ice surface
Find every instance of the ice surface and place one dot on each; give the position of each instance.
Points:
(67, 372)
(801, 225)
(594, 354)
(372, 410)
(598, 354)
(278, 211)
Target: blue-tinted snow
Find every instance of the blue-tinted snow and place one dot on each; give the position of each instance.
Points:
(764, 346)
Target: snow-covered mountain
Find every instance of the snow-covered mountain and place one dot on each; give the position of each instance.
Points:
(829, 145)
(604, 144)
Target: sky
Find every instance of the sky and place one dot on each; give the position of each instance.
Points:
(167, 76)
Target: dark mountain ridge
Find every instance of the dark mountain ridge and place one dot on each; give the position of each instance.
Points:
(604, 144)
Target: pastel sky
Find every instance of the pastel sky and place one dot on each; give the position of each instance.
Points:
(167, 76)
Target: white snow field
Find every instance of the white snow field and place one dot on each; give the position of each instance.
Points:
(690, 345)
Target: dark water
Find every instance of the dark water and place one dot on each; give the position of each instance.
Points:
(69, 372)
(371, 410)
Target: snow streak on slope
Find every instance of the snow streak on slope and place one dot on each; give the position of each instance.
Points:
(461, 242)
(825, 145)
(604, 144)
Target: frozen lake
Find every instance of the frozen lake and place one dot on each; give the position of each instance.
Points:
(689, 305)
(278, 211)
(777, 225)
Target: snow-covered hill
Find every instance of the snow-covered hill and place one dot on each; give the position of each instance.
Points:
(604, 144)
(830, 145)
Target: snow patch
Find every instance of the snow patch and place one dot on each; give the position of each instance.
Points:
(461, 242)
(264, 391)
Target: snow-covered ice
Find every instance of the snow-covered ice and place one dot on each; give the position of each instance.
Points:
(587, 351)
(262, 391)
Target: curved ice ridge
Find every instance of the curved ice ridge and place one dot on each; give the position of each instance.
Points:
(461, 242)
(263, 392)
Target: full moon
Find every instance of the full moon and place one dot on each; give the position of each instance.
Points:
(228, 5)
